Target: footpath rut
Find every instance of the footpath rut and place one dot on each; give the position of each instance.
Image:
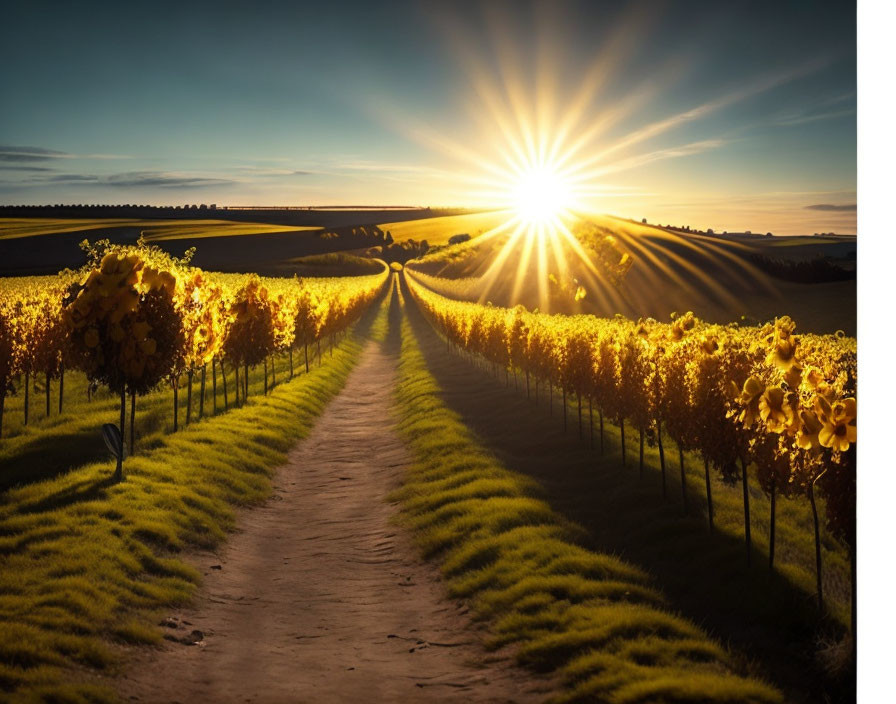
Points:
(319, 598)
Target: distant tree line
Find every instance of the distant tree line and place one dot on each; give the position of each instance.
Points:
(805, 271)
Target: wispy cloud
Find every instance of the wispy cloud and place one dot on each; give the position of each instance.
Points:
(8, 153)
(129, 179)
(270, 171)
(794, 120)
(845, 208)
(162, 179)
(30, 154)
(23, 167)
(658, 155)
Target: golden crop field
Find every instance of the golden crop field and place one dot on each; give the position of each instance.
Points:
(466, 352)
(13, 228)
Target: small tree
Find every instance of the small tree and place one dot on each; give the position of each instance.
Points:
(125, 322)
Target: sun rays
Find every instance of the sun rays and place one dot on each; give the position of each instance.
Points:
(547, 139)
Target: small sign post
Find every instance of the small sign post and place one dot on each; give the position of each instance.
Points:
(112, 438)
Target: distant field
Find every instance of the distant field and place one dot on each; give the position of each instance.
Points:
(672, 272)
(14, 228)
(439, 230)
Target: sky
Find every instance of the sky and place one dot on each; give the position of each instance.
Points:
(732, 115)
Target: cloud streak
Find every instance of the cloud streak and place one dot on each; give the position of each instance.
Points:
(129, 179)
(30, 154)
(829, 207)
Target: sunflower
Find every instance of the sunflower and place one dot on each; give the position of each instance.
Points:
(838, 429)
(776, 409)
(749, 399)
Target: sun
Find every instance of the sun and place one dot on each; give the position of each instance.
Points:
(541, 195)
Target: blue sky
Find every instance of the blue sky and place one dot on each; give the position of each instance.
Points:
(743, 112)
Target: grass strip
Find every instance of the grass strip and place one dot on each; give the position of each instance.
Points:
(84, 562)
(592, 617)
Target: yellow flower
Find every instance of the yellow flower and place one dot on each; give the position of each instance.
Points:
(837, 434)
(793, 376)
(807, 438)
(775, 409)
(838, 429)
(749, 399)
(710, 344)
(783, 353)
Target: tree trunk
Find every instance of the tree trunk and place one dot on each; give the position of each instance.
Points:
(176, 384)
(749, 542)
(27, 392)
(202, 392)
(306, 358)
(61, 386)
(265, 376)
(771, 527)
(641, 453)
(214, 388)
(133, 416)
(118, 473)
(684, 487)
(579, 402)
(47, 390)
(236, 384)
(853, 574)
(622, 436)
(189, 395)
(659, 439)
(245, 382)
(708, 492)
(564, 409)
(590, 424)
(817, 546)
(600, 413)
(273, 372)
(224, 383)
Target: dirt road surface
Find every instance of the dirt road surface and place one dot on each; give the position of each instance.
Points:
(319, 597)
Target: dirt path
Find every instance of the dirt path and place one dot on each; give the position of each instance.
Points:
(319, 598)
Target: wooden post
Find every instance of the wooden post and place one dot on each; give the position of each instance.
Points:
(659, 437)
(133, 444)
(684, 490)
(747, 539)
(118, 471)
(708, 492)
(202, 392)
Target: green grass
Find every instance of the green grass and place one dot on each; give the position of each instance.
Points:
(85, 563)
(594, 618)
(52, 444)
(769, 617)
(13, 228)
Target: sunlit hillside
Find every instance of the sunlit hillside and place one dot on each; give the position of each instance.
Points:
(720, 280)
